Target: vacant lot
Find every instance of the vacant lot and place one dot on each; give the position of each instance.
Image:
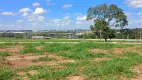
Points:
(82, 61)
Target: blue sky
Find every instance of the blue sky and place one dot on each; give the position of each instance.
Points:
(59, 14)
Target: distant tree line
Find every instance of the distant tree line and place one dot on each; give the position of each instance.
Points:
(117, 34)
(112, 34)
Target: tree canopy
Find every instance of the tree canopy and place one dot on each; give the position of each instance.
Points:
(106, 16)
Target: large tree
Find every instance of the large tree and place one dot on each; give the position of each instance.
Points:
(106, 16)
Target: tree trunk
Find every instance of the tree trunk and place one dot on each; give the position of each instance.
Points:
(105, 39)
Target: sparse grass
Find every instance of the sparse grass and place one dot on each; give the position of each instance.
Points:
(49, 73)
(30, 48)
(118, 66)
(99, 55)
(6, 73)
(5, 45)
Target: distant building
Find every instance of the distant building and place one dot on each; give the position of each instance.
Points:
(40, 37)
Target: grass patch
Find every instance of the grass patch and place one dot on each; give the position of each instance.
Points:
(99, 55)
(50, 73)
(129, 54)
(6, 73)
(118, 66)
(2, 54)
(30, 48)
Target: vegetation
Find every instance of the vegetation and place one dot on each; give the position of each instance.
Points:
(2, 54)
(6, 73)
(90, 60)
(106, 16)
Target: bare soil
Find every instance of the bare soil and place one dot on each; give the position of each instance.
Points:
(99, 51)
(33, 72)
(25, 78)
(21, 73)
(117, 51)
(76, 78)
(138, 70)
(101, 59)
(21, 61)
(39, 47)
(12, 50)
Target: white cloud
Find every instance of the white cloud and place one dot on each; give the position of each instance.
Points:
(62, 22)
(19, 21)
(31, 18)
(25, 10)
(25, 14)
(67, 6)
(36, 18)
(41, 18)
(81, 18)
(78, 22)
(8, 14)
(56, 21)
(39, 11)
(134, 3)
(128, 14)
(135, 21)
(36, 4)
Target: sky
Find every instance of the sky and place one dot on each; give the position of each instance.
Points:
(60, 14)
